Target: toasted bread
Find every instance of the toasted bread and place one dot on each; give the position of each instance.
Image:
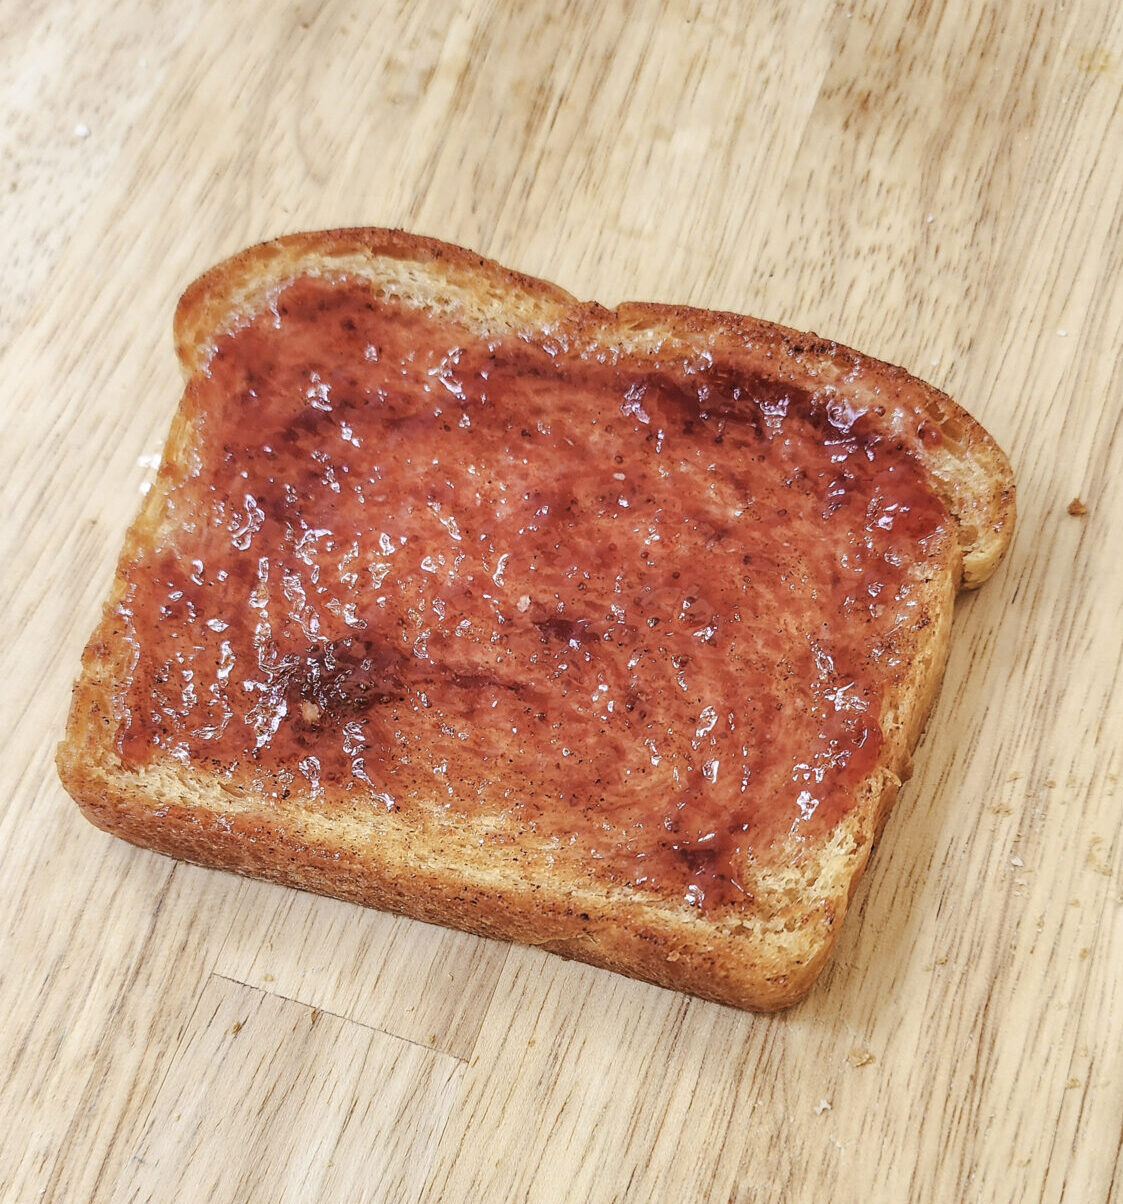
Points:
(607, 631)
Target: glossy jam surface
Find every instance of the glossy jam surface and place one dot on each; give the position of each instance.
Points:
(644, 612)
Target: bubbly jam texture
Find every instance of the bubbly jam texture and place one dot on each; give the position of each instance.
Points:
(647, 612)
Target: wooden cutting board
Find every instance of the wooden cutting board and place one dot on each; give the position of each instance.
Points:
(936, 183)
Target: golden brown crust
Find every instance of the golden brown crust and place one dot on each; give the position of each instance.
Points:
(763, 958)
(238, 285)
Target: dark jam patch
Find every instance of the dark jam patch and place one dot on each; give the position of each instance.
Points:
(646, 612)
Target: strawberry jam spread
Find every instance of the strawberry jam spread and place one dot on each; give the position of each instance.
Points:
(645, 610)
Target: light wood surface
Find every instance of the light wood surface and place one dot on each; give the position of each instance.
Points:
(937, 183)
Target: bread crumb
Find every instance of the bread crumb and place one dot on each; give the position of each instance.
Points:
(267, 978)
(1017, 861)
(860, 1057)
(824, 1105)
(1077, 508)
(1073, 1083)
(1084, 952)
(236, 1027)
(309, 711)
(81, 130)
(523, 604)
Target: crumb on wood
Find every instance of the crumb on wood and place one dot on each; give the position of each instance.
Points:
(859, 1056)
(1077, 508)
(824, 1105)
(1096, 859)
(236, 1027)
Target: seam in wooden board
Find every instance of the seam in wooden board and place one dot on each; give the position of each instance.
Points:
(970, 1106)
(1104, 716)
(114, 1013)
(1078, 1004)
(1109, 1196)
(373, 1028)
(173, 1057)
(1080, 1111)
(485, 1002)
(1115, 1166)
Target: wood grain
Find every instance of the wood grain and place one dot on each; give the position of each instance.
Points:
(937, 182)
(289, 1069)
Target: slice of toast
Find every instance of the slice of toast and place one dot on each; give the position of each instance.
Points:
(608, 631)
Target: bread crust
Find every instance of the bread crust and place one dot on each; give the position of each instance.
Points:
(456, 873)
